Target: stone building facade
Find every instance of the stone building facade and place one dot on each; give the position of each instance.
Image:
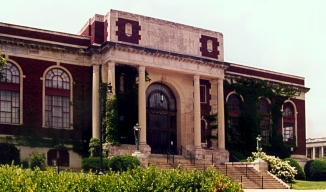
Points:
(56, 79)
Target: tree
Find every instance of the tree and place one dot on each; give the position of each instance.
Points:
(2, 64)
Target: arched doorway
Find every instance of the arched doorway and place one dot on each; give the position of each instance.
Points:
(161, 118)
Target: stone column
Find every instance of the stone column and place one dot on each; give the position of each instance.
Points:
(111, 75)
(220, 114)
(322, 151)
(214, 107)
(96, 102)
(197, 130)
(142, 105)
(313, 153)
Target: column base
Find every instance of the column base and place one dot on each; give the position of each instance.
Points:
(143, 159)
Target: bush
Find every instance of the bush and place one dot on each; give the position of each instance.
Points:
(9, 153)
(276, 166)
(14, 178)
(36, 159)
(300, 173)
(307, 169)
(94, 147)
(318, 170)
(24, 163)
(123, 162)
(93, 163)
(236, 156)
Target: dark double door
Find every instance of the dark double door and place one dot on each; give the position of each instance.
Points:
(161, 119)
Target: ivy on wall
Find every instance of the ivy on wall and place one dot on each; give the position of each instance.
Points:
(249, 120)
(29, 135)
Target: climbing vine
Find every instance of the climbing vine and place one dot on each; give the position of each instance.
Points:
(77, 139)
(249, 120)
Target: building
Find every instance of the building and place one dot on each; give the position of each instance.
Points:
(316, 147)
(50, 101)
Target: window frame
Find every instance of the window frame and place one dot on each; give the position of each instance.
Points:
(15, 87)
(290, 120)
(64, 93)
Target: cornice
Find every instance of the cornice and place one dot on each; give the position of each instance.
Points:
(40, 44)
(163, 54)
(270, 82)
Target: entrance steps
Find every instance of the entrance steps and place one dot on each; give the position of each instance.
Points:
(240, 172)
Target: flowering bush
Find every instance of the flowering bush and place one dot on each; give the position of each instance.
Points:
(281, 169)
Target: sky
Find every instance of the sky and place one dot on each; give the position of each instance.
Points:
(286, 36)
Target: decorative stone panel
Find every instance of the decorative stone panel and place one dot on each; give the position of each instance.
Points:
(209, 46)
(128, 31)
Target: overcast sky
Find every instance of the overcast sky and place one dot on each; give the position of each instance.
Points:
(286, 36)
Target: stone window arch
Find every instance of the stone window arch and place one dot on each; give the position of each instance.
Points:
(57, 98)
(11, 94)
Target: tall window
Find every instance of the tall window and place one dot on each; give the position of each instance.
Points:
(9, 94)
(264, 111)
(202, 93)
(288, 123)
(234, 103)
(57, 99)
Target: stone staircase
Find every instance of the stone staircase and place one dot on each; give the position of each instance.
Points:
(240, 172)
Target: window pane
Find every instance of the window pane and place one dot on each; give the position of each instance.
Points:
(57, 111)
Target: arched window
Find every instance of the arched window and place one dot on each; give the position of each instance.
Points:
(234, 102)
(264, 111)
(57, 99)
(264, 106)
(289, 123)
(288, 110)
(10, 94)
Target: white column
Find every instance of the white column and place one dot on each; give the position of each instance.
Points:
(96, 102)
(313, 153)
(197, 130)
(142, 105)
(111, 76)
(322, 151)
(220, 114)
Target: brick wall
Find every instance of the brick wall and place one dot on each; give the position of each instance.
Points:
(33, 69)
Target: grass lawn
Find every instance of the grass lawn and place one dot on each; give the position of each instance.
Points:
(308, 185)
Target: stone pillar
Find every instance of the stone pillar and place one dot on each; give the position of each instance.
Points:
(322, 151)
(111, 75)
(220, 114)
(197, 129)
(214, 107)
(313, 153)
(142, 105)
(96, 102)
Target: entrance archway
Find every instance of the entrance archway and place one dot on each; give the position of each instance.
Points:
(161, 118)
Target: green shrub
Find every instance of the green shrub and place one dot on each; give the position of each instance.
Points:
(307, 169)
(36, 159)
(93, 163)
(276, 166)
(14, 178)
(237, 156)
(123, 162)
(94, 147)
(318, 170)
(9, 153)
(300, 173)
(24, 163)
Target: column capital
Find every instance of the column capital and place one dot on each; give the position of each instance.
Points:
(141, 69)
(196, 77)
(111, 64)
(219, 80)
(96, 68)
(96, 59)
